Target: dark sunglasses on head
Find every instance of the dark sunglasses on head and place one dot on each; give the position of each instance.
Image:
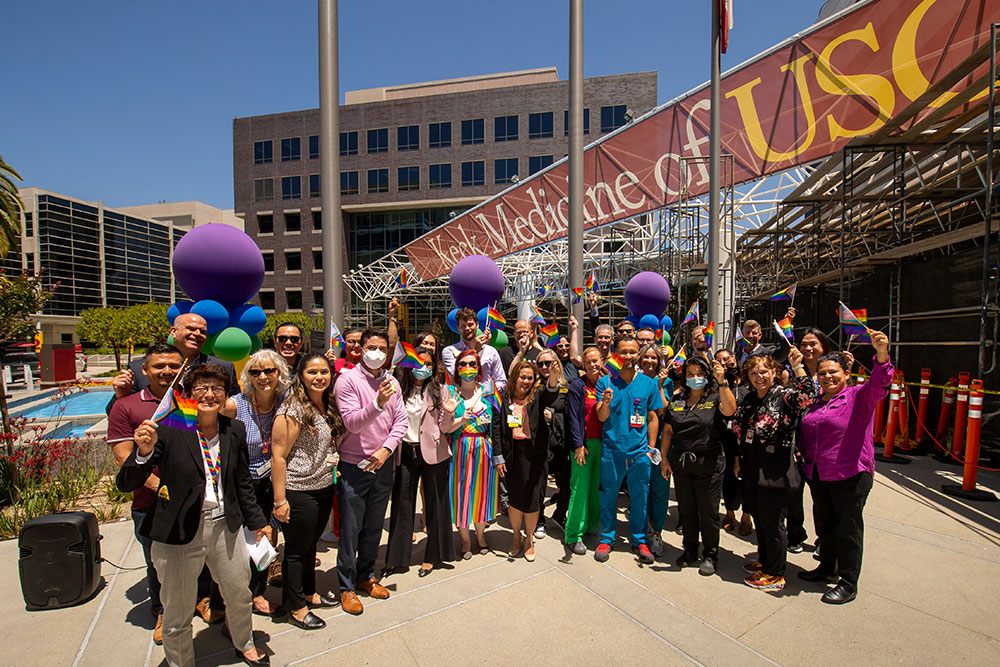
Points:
(289, 339)
(257, 372)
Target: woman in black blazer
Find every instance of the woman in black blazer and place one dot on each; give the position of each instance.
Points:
(204, 500)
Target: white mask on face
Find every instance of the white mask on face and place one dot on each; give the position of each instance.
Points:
(373, 359)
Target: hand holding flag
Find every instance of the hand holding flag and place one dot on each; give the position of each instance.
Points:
(614, 365)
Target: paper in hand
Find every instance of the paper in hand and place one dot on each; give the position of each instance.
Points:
(261, 553)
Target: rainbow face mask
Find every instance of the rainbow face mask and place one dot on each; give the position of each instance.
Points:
(467, 373)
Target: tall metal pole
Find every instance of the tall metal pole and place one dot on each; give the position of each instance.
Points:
(329, 152)
(987, 265)
(714, 144)
(576, 154)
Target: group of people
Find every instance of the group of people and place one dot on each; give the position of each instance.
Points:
(305, 444)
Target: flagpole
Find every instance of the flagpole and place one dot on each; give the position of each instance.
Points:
(714, 171)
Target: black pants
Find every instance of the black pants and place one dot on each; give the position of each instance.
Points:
(840, 526)
(264, 493)
(772, 539)
(310, 510)
(363, 498)
(437, 509)
(796, 516)
(698, 486)
(732, 498)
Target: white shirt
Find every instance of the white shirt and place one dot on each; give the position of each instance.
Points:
(211, 501)
(414, 404)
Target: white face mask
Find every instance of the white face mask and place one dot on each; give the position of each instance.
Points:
(373, 359)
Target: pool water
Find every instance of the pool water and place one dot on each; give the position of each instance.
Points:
(91, 402)
(68, 431)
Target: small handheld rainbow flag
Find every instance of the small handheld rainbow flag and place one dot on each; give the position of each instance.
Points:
(787, 294)
(494, 318)
(401, 279)
(543, 290)
(658, 337)
(853, 322)
(784, 329)
(549, 334)
(614, 365)
(709, 332)
(336, 338)
(681, 356)
(536, 316)
(405, 356)
(176, 411)
(693, 314)
(592, 282)
(491, 395)
(859, 338)
(577, 293)
(741, 342)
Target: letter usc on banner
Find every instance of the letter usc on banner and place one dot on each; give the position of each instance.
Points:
(799, 102)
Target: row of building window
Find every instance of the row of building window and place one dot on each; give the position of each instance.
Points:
(473, 131)
(293, 260)
(293, 299)
(439, 176)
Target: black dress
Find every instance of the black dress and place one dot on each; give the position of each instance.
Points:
(526, 458)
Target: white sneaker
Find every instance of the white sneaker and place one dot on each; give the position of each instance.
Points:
(655, 543)
(540, 531)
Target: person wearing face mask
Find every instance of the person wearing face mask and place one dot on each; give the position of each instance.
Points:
(764, 426)
(288, 342)
(692, 451)
(584, 430)
(627, 411)
(423, 457)
(732, 498)
(654, 366)
(375, 422)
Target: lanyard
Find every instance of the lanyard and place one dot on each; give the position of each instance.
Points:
(213, 464)
(265, 438)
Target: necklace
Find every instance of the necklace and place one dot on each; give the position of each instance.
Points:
(265, 434)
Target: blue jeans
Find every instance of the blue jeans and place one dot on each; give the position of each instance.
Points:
(152, 581)
(634, 469)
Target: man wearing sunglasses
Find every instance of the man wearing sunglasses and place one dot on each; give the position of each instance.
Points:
(288, 341)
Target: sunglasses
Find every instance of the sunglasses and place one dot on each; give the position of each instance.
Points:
(257, 372)
(468, 364)
(289, 339)
(544, 364)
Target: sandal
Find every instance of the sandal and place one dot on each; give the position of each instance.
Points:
(515, 548)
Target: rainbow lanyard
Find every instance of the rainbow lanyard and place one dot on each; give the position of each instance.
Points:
(213, 464)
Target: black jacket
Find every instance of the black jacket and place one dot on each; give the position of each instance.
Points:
(536, 425)
(175, 514)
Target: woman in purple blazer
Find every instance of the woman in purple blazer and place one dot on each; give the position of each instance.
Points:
(423, 455)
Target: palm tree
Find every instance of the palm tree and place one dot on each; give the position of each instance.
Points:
(10, 208)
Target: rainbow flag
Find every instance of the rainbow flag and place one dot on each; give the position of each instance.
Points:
(494, 318)
(592, 282)
(336, 338)
(549, 334)
(577, 293)
(741, 342)
(543, 290)
(681, 356)
(405, 356)
(784, 329)
(658, 337)
(709, 334)
(860, 338)
(401, 279)
(787, 294)
(614, 365)
(536, 316)
(693, 314)
(176, 411)
(853, 322)
(491, 395)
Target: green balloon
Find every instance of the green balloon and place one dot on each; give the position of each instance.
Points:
(255, 344)
(499, 339)
(170, 337)
(232, 344)
(666, 338)
(209, 343)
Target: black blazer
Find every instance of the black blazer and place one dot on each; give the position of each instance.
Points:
(177, 453)
(536, 425)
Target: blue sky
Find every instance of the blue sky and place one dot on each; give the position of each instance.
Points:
(132, 102)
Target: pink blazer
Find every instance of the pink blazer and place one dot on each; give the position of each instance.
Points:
(434, 446)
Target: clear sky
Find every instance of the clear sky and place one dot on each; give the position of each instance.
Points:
(132, 102)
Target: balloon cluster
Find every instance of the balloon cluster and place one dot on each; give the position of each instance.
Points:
(647, 296)
(476, 282)
(221, 268)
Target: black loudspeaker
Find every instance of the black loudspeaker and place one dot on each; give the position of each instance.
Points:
(60, 562)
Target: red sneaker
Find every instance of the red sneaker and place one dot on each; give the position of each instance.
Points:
(603, 553)
(645, 555)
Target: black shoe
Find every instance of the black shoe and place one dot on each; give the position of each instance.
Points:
(686, 560)
(839, 594)
(263, 661)
(309, 622)
(795, 548)
(386, 571)
(424, 572)
(325, 601)
(819, 574)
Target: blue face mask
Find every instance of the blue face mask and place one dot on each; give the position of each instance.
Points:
(422, 373)
(697, 383)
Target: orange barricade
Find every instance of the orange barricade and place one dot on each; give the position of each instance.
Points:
(947, 406)
(903, 422)
(925, 392)
(961, 415)
(968, 488)
(888, 455)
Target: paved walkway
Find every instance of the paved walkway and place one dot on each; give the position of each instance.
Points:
(929, 595)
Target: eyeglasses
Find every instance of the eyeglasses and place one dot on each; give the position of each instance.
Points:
(544, 364)
(468, 364)
(257, 372)
(289, 339)
(202, 389)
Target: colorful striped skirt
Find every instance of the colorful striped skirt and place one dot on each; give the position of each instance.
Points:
(473, 480)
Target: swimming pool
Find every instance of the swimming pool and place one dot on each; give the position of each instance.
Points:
(71, 430)
(90, 402)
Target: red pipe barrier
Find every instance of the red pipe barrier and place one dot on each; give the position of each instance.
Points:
(968, 488)
(925, 392)
(947, 406)
(961, 415)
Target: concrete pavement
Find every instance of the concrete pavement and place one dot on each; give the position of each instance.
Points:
(929, 592)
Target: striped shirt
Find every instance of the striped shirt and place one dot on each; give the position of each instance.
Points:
(254, 423)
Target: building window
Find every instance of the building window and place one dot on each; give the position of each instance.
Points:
(293, 222)
(538, 162)
(317, 260)
(439, 135)
(539, 125)
(314, 185)
(348, 182)
(408, 138)
(293, 299)
(29, 262)
(504, 170)
(586, 122)
(313, 146)
(317, 220)
(612, 117)
(318, 299)
(268, 256)
(378, 180)
(473, 131)
(29, 224)
(378, 141)
(265, 223)
(407, 178)
(291, 187)
(266, 300)
(293, 260)
(473, 173)
(349, 143)
(291, 149)
(262, 152)
(439, 176)
(505, 128)
(263, 189)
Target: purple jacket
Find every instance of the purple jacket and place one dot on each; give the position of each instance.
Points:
(836, 434)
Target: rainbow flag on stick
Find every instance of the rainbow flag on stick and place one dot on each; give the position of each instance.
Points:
(577, 293)
(491, 395)
(854, 322)
(543, 290)
(405, 356)
(741, 342)
(591, 284)
(658, 337)
(709, 332)
(693, 314)
(614, 365)
(784, 329)
(336, 338)
(681, 356)
(401, 279)
(549, 334)
(536, 316)
(787, 294)
(494, 317)
(176, 411)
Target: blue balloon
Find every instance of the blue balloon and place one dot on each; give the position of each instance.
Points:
(248, 317)
(651, 321)
(452, 321)
(215, 314)
(666, 323)
(481, 317)
(633, 319)
(179, 308)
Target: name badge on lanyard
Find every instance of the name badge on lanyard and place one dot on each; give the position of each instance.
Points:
(483, 420)
(637, 420)
(514, 421)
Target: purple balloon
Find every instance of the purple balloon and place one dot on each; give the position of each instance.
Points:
(220, 263)
(646, 293)
(476, 282)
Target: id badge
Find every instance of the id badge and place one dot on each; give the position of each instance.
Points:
(218, 512)
(514, 421)
(483, 420)
(637, 421)
(264, 468)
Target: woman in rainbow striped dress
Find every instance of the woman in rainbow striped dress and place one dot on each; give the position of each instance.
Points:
(471, 417)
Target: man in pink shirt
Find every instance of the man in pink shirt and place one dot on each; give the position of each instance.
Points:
(370, 403)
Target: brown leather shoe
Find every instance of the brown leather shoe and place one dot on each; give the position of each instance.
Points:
(350, 603)
(158, 631)
(374, 589)
(274, 574)
(203, 610)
